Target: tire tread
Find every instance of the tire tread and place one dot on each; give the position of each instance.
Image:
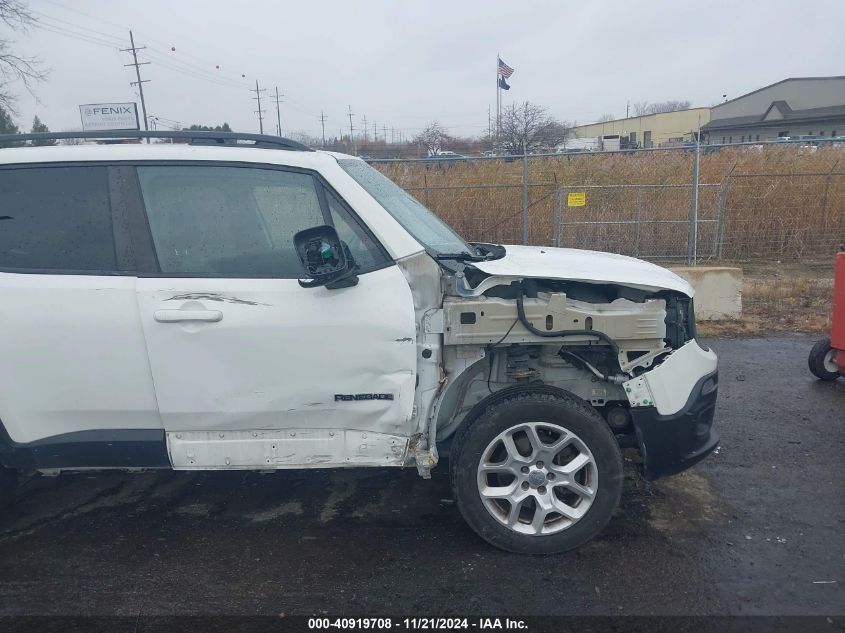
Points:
(816, 360)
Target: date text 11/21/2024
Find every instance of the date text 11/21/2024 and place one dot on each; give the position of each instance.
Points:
(417, 624)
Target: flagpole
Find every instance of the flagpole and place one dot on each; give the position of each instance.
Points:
(498, 104)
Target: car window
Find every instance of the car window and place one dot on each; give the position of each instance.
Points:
(228, 221)
(56, 218)
(429, 230)
(364, 251)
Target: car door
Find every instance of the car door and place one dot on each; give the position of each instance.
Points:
(251, 369)
(75, 383)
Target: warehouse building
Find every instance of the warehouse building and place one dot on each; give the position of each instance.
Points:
(799, 106)
(651, 130)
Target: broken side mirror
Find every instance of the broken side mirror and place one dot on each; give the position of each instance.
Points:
(325, 259)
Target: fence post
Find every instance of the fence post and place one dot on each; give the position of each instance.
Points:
(639, 220)
(721, 204)
(824, 196)
(693, 214)
(524, 197)
(425, 192)
(557, 228)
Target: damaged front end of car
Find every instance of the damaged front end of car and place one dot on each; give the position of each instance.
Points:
(616, 332)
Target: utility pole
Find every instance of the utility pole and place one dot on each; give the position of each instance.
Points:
(489, 124)
(140, 83)
(260, 112)
(323, 124)
(351, 131)
(278, 113)
(365, 128)
(627, 106)
(375, 131)
(384, 134)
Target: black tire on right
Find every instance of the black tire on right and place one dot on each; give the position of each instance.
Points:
(816, 361)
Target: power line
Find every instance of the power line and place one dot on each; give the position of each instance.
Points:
(161, 60)
(77, 36)
(102, 38)
(140, 82)
(94, 32)
(121, 27)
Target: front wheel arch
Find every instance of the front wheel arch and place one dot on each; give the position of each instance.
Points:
(508, 392)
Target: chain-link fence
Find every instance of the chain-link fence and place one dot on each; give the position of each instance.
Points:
(735, 202)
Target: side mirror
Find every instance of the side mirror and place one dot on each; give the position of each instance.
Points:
(325, 258)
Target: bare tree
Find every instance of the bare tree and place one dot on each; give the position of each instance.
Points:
(432, 138)
(527, 127)
(642, 108)
(604, 118)
(13, 67)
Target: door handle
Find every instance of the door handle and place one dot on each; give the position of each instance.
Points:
(176, 316)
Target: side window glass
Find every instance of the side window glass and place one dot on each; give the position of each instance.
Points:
(365, 252)
(228, 221)
(56, 218)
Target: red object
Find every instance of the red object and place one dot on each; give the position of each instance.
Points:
(837, 330)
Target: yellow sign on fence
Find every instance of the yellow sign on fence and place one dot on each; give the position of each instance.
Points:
(576, 199)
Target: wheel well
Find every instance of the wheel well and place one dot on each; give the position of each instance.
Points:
(508, 392)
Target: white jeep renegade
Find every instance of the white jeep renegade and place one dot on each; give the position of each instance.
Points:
(224, 305)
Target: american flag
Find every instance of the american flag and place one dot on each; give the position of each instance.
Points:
(504, 70)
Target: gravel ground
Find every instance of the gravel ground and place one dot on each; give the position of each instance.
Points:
(758, 528)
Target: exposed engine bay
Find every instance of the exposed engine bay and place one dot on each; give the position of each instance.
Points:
(585, 338)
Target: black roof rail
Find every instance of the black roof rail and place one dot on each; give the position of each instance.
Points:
(194, 136)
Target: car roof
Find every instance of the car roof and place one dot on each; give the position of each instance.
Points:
(165, 152)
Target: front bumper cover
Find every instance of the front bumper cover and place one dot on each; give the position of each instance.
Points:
(672, 443)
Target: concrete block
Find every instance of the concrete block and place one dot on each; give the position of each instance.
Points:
(718, 291)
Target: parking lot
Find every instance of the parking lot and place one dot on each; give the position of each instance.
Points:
(758, 528)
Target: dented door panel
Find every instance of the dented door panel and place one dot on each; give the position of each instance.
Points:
(281, 356)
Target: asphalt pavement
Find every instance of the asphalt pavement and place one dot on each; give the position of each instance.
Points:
(757, 528)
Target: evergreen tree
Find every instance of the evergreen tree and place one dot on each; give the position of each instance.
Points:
(37, 128)
(207, 128)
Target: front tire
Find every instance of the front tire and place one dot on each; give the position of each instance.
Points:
(536, 472)
(822, 361)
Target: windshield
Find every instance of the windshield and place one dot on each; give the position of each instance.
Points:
(429, 230)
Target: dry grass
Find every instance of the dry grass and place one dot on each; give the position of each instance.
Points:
(772, 201)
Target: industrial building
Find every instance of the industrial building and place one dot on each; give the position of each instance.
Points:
(651, 130)
(800, 106)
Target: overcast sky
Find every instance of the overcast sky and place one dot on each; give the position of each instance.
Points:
(402, 64)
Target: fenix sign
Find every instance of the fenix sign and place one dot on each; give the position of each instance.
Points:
(109, 116)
